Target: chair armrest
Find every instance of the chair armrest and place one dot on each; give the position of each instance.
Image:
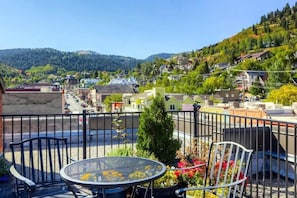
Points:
(18, 176)
(179, 192)
(190, 167)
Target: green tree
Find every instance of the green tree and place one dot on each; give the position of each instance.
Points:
(155, 132)
(277, 75)
(203, 68)
(110, 99)
(256, 88)
(210, 84)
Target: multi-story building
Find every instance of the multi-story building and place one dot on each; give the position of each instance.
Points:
(33, 99)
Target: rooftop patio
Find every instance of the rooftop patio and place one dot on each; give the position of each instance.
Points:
(273, 167)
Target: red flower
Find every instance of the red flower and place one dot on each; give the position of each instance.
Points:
(231, 163)
(177, 173)
(191, 173)
(182, 164)
(197, 162)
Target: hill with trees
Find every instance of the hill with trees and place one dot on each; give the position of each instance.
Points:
(71, 61)
(276, 33)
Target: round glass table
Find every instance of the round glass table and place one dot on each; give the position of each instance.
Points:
(112, 172)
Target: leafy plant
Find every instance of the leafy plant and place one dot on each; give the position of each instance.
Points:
(120, 129)
(191, 169)
(4, 167)
(155, 132)
(129, 151)
(121, 151)
(169, 179)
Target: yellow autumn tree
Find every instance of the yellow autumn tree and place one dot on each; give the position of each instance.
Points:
(285, 95)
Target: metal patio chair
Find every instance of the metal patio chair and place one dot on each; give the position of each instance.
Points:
(36, 164)
(226, 171)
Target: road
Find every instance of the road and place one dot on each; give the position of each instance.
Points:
(74, 106)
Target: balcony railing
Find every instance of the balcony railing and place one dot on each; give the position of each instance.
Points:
(273, 167)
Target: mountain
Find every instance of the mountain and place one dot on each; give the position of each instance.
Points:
(75, 61)
(160, 55)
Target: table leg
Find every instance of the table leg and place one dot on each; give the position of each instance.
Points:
(150, 187)
(103, 193)
(133, 191)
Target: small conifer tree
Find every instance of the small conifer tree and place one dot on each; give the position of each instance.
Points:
(155, 132)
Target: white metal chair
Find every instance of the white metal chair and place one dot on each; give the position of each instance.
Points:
(226, 171)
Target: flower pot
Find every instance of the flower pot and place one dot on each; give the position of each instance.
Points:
(168, 192)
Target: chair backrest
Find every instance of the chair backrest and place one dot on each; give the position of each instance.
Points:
(40, 159)
(228, 162)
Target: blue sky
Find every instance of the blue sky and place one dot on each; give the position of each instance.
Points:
(134, 28)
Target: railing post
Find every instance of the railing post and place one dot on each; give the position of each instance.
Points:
(196, 109)
(84, 134)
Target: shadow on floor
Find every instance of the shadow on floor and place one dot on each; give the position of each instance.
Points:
(7, 189)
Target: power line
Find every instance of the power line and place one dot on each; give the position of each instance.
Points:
(256, 71)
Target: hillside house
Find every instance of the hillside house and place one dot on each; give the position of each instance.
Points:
(221, 66)
(246, 78)
(259, 56)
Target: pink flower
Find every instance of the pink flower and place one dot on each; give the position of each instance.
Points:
(182, 164)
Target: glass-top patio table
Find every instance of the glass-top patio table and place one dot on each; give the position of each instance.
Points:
(112, 172)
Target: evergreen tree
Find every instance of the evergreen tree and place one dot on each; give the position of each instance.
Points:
(155, 132)
(256, 88)
(276, 76)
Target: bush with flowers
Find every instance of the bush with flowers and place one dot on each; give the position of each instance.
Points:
(191, 171)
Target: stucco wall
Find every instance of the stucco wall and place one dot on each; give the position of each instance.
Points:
(33, 103)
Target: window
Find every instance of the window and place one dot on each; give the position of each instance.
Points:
(172, 107)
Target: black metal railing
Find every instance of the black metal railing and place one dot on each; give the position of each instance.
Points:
(272, 170)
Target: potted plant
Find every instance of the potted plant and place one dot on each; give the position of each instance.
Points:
(164, 187)
(155, 135)
(155, 132)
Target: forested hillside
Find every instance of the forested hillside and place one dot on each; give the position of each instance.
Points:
(71, 61)
(274, 35)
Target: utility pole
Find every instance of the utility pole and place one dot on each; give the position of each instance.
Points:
(243, 91)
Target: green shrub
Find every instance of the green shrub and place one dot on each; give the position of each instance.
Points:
(155, 132)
